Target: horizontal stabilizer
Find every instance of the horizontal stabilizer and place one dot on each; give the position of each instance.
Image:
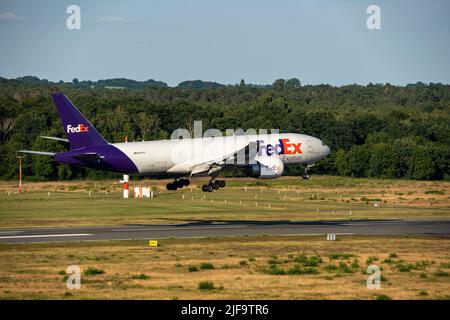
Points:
(41, 153)
(56, 138)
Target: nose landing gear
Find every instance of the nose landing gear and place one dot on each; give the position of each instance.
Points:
(177, 184)
(305, 174)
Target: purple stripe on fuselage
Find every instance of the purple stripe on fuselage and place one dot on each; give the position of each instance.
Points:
(106, 157)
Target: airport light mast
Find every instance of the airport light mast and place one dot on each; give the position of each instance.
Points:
(20, 157)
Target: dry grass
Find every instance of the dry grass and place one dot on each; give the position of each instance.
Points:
(31, 271)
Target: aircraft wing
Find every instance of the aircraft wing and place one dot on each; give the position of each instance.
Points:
(240, 157)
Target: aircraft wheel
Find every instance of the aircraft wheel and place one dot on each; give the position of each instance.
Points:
(221, 183)
(306, 176)
(204, 188)
(215, 185)
(179, 183)
(171, 187)
(209, 188)
(186, 182)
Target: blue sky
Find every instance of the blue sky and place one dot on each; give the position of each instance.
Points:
(257, 40)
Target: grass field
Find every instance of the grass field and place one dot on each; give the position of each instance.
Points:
(293, 267)
(288, 198)
(263, 267)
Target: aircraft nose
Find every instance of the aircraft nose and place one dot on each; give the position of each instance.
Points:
(326, 150)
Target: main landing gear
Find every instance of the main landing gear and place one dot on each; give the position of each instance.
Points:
(177, 184)
(213, 185)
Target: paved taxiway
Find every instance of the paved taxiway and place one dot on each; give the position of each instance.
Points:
(228, 228)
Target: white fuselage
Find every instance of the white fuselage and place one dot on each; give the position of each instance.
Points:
(180, 156)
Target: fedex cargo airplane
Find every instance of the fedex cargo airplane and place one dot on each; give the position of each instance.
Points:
(261, 156)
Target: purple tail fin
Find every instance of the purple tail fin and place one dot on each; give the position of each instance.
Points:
(80, 132)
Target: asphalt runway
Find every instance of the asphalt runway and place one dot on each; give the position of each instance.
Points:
(228, 228)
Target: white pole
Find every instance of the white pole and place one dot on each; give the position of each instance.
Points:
(126, 186)
(126, 180)
(20, 175)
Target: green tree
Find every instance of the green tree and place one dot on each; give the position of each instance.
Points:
(64, 172)
(376, 130)
(341, 163)
(358, 159)
(380, 164)
(293, 83)
(422, 166)
(278, 84)
(42, 167)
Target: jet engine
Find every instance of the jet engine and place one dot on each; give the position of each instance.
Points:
(266, 168)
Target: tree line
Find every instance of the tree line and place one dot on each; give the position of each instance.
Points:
(377, 130)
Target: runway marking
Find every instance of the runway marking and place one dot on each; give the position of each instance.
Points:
(181, 228)
(10, 232)
(48, 236)
(316, 234)
(372, 224)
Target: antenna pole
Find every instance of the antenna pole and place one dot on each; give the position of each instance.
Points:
(20, 157)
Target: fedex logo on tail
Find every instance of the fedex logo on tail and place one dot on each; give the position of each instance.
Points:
(79, 128)
(283, 147)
